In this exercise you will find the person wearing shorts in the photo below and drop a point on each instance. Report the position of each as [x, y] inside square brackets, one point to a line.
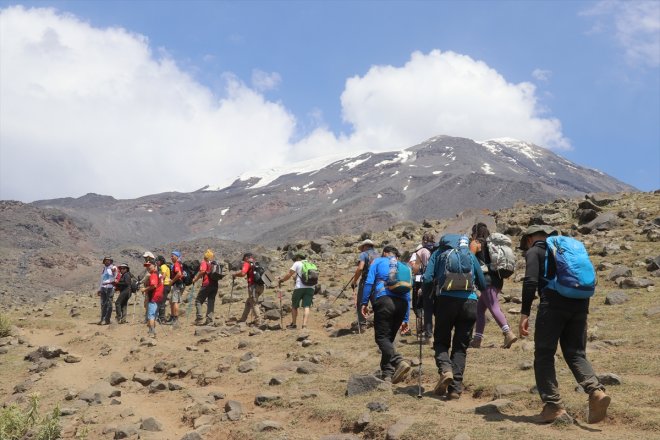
[154, 293]
[301, 292]
[177, 287]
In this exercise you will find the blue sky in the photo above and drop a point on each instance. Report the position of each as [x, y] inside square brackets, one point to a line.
[216, 89]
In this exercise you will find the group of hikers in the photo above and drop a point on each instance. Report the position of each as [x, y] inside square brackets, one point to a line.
[448, 284]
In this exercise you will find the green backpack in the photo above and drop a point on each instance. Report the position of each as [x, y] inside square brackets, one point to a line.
[310, 273]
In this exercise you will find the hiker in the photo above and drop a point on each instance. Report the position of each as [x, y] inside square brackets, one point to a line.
[107, 290]
[302, 293]
[367, 255]
[488, 298]
[208, 291]
[391, 312]
[559, 319]
[153, 292]
[144, 278]
[423, 304]
[453, 270]
[254, 290]
[178, 287]
[164, 271]
[123, 286]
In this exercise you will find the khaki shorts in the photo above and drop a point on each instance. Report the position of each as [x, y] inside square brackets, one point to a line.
[176, 293]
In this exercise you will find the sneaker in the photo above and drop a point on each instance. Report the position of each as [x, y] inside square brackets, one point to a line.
[476, 343]
[598, 403]
[509, 339]
[445, 379]
[551, 412]
[291, 326]
[401, 372]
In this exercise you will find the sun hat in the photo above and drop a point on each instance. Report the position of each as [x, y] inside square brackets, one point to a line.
[148, 255]
[366, 242]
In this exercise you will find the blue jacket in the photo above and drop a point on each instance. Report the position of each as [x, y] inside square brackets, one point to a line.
[435, 270]
[379, 271]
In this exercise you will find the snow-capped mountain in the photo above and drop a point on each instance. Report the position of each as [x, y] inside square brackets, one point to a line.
[437, 178]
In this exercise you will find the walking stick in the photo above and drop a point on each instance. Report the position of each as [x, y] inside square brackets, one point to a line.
[357, 302]
[420, 328]
[281, 318]
[231, 296]
[191, 296]
[340, 292]
[134, 295]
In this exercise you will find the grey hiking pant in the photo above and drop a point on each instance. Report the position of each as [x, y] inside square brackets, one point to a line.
[106, 303]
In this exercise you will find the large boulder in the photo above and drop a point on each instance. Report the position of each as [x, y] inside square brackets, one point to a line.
[604, 222]
[618, 272]
[99, 390]
[616, 298]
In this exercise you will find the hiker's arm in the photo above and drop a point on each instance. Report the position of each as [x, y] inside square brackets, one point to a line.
[287, 276]
[478, 274]
[358, 273]
[428, 275]
[369, 284]
[533, 264]
[200, 273]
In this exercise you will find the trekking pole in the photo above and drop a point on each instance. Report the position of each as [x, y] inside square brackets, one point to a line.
[231, 297]
[281, 318]
[340, 292]
[420, 328]
[134, 295]
[191, 296]
[357, 303]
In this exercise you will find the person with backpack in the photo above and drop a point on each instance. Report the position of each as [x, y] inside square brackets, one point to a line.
[479, 246]
[255, 288]
[208, 291]
[123, 286]
[177, 288]
[154, 294]
[107, 289]
[453, 273]
[391, 309]
[422, 304]
[148, 257]
[367, 255]
[165, 276]
[561, 317]
[303, 293]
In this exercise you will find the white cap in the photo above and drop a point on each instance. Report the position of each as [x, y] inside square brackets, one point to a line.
[148, 255]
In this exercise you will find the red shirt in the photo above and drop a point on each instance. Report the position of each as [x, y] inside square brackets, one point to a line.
[156, 295]
[205, 268]
[175, 270]
[247, 269]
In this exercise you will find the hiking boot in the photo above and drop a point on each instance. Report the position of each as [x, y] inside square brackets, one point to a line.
[445, 379]
[291, 326]
[401, 372]
[453, 395]
[509, 339]
[476, 343]
[199, 321]
[551, 412]
[208, 321]
[598, 403]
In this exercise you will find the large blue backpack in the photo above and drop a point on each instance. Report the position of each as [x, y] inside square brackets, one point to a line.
[574, 276]
[455, 252]
[401, 281]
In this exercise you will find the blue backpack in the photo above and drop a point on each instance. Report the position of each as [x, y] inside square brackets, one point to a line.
[574, 276]
[401, 281]
[458, 262]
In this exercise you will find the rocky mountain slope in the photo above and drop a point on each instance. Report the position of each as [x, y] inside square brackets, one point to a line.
[233, 381]
[435, 179]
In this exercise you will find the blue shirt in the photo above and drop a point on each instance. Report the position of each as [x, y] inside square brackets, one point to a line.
[436, 271]
[379, 271]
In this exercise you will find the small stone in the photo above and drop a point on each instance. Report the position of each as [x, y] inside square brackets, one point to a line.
[151, 424]
[616, 298]
[174, 386]
[609, 379]
[116, 378]
[563, 420]
[143, 378]
[505, 390]
[157, 386]
[275, 381]
[203, 420]
[360, 384]
[72, 359]
[494, 407]
[217, 395]
[396, 431]
[363, 421]
[234, 410]
[526, 365]
[125, 431]
[242, 344]
[268, 425]
[192, 436]
[264, 398]
[377, 406]
[126, 412]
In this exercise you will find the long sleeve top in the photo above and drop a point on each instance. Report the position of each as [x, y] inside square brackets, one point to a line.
[435, 270]
[375, 284]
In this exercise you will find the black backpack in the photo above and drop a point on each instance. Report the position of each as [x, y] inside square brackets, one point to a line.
[135, 283]
[190, 269]
[216, 273]
[258, 271]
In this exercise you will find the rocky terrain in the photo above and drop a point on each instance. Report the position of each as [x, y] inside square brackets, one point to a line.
[234, 381]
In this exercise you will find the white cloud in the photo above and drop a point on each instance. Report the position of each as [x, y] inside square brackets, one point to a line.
[264, 81]
[541, 74]
[84, 109]
[635, 26]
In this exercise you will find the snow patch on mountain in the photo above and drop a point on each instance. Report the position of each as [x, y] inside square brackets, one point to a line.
[402, 157]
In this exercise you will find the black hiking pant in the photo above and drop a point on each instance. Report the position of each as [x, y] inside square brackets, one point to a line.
[121, 305]
[163, 302]
[206, 294]
[569, 329]
[388, 316]
[458, 315]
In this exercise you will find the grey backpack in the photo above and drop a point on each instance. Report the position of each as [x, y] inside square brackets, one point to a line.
[502, 258]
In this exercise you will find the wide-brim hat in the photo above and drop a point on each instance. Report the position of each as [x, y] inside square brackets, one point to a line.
[366, 242]
[535, 229]
[123, 265]
[107, 258]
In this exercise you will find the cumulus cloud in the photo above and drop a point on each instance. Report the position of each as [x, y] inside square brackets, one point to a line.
[264, 81]
[635, 26]
[86, 109]
[541, 74]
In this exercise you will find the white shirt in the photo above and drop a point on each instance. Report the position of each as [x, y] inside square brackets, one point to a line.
[297, 268]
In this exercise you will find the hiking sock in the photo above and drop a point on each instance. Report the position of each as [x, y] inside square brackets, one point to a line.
[478, 336]
[505, 328]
